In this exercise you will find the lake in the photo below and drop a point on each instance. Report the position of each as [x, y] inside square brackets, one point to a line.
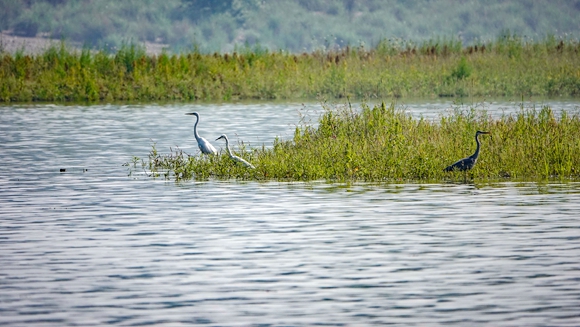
[94, 245]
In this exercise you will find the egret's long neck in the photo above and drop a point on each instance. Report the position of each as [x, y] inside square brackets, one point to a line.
[228, 147]
[476, 154]
[195, 128]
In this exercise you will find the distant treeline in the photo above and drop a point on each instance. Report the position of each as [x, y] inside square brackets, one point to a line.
[507, 66]
[295, 26]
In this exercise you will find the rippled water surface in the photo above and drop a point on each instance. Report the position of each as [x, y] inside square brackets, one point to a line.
[92, 246]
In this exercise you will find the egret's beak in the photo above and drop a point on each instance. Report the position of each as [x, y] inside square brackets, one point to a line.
[190, 113]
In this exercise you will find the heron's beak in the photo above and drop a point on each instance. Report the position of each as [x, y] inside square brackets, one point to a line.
[189, 113]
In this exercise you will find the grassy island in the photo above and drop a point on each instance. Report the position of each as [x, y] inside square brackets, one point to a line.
[383, 143]
[509, 66]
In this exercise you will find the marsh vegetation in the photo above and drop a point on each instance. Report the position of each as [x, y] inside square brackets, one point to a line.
[509, 66]
[383, 143]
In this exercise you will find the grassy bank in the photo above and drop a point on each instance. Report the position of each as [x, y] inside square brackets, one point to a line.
[506, 67]
[385, 144]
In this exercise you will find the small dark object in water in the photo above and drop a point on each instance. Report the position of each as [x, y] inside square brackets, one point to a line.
[62, 170]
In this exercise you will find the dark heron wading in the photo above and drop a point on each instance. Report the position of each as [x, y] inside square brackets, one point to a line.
[466, 164]
[204, 145]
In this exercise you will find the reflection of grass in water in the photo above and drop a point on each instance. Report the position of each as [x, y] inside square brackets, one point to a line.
[385, 144]
[508, 66]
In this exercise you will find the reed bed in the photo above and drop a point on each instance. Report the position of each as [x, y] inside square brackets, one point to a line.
[383, 143]
[393, 68]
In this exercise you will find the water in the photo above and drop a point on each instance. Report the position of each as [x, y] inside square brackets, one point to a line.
[93, 246]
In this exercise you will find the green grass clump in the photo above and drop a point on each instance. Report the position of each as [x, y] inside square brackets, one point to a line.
[510, 66]
[386, 144]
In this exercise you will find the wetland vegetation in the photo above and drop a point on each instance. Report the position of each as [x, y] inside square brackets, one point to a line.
[508, 66]
[383, 143]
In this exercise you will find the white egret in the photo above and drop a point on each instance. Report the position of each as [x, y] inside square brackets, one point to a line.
[234, 157]
[204, 145]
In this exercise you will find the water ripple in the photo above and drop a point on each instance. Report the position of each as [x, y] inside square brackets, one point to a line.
[92, 246]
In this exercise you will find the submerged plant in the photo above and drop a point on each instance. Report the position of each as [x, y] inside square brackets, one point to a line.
[383, 143]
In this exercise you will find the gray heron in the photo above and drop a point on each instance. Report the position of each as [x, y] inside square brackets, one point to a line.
[234, 157]
[204, 145]
[466, 164]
